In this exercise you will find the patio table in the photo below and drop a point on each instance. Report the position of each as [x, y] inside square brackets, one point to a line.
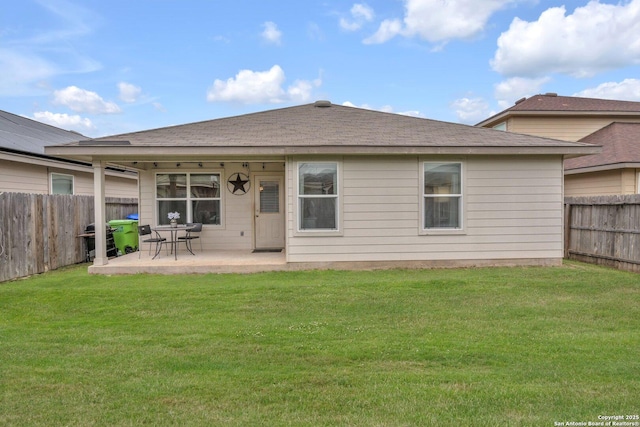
[173, 241]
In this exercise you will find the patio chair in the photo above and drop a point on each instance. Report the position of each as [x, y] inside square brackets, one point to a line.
[145, 230]
[193, 232]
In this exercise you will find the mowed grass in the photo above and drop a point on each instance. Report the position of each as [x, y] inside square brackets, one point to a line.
[485, 347]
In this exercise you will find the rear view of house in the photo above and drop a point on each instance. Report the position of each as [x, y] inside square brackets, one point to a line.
[341, 186]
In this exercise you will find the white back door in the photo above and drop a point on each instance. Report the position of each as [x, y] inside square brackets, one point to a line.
[269, 211]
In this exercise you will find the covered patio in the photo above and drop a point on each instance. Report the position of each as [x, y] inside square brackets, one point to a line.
[331, 186]
[237, 261]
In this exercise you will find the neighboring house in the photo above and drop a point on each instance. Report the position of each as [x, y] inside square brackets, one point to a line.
[614, 125]
[335, 184]
[24, 167]
[614, 171]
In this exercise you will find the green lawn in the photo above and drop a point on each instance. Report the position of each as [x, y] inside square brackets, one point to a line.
[486, 347]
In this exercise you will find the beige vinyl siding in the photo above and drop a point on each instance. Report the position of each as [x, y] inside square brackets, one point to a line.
[512, 210]
[82, 181]
[594, 183]
[18, 177]
[563, 128]
[629, 183]
[23, 177]
[116, 186]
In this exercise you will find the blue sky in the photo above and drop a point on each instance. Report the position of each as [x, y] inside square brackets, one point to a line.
[109, 67]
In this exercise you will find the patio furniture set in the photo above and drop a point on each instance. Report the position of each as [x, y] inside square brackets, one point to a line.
[154, 235]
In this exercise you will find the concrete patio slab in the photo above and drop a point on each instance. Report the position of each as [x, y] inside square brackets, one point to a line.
[200, 263]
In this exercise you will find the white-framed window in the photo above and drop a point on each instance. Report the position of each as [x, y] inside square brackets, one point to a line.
[61, 183]
[318, 196]
[442, 196]
[197, 197]
[501, 126]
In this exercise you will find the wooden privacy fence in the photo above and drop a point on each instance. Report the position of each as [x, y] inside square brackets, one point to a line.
[39, 232]
[604, 230]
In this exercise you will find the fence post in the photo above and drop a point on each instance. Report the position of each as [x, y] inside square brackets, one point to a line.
[567, 227]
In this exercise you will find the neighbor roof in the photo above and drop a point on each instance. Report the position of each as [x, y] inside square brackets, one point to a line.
[568, 105]
[320, 128]
[620, 145]
[18, 133]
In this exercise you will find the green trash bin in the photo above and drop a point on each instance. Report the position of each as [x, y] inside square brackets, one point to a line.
[125, 234]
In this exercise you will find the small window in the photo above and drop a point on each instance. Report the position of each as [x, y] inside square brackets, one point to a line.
[318, 196]
[501, 126]
[442, 196]
[269, 197]
[196, 197]
[61, 183]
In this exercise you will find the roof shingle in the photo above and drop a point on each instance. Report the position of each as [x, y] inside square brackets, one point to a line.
[620, 144]
[339, 126]
[552, 102]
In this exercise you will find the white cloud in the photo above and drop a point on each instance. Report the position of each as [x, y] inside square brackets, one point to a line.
[514, 88]
[389, 28]
[471, 110]
[64, 121]
[84, 101]
[385, 109]
[360, 14]
[300, 90]
[258, 87]
[594, 38]
[439, 21]
[129, 93]
[271, 33]
[626, 90]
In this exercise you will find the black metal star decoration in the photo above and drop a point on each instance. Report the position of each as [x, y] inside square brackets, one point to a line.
[239, 184]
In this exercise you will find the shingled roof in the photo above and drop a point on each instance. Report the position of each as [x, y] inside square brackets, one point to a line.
[567, 105]
[19, 133]
[620, 144]
[320, 127]
[552, 102]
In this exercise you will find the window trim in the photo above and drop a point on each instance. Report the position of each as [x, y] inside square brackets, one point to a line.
[462, 211]
[73, 182]
[189, 199]
[338, 196]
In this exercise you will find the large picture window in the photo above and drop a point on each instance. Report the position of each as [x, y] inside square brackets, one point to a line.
[195, 196]
[442, 195]
[318, 196]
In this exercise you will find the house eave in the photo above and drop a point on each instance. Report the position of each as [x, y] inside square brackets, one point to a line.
[150, 153]
[602, 168]
[60, 163]
[505, 115]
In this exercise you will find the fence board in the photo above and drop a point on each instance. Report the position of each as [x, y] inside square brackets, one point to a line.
[38, 232]
[604, 230]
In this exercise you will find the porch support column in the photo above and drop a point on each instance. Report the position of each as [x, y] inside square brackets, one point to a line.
[100, 213]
